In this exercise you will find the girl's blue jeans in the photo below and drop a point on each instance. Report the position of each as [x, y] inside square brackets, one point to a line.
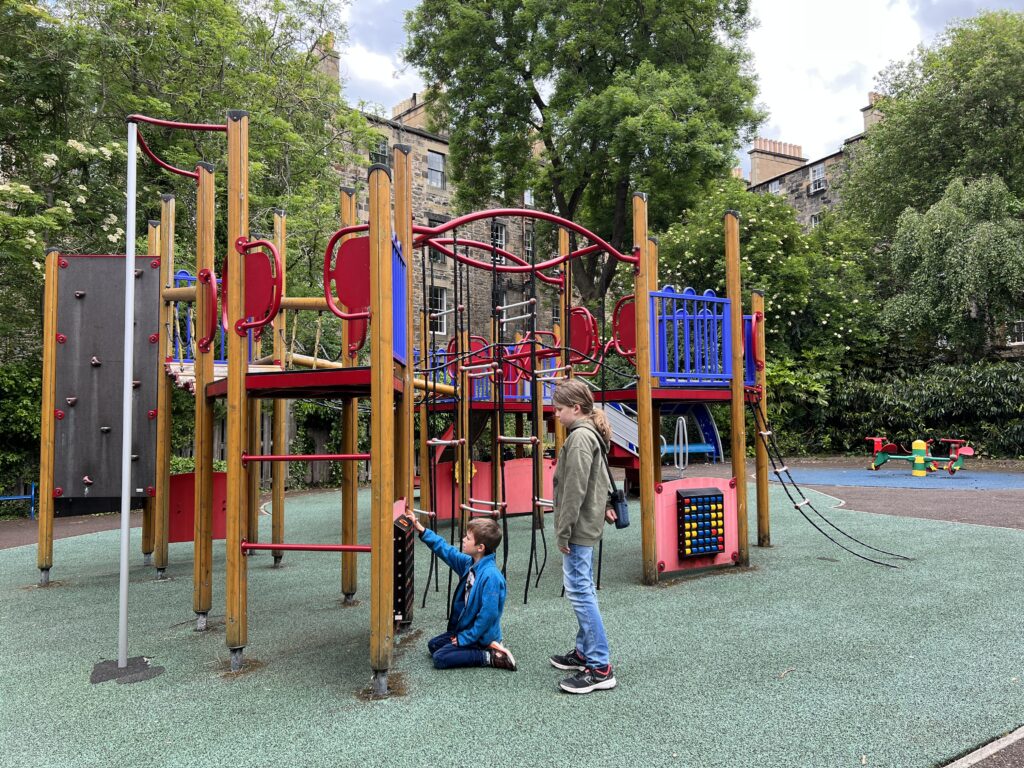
[578, 579]
[448, 656]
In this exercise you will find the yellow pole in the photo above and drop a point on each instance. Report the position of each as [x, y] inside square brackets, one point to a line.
[738, 424]
[349, 439]
[149, 505]
[643, 389]
[44, 554]
[764, 531]
[279, 430]
[202, 499]
[404, 420]
[163, 393]
[238, 365]
[382, 427]
[652, 284]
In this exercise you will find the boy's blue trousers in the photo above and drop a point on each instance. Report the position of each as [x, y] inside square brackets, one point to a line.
[448, 656]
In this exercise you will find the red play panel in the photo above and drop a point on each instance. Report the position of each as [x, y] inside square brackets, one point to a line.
[518, 485]
[181, 503]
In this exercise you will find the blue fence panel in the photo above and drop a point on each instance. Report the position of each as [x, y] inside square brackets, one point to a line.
[184, 325]
[691, 344]
[399, 294]
[749, 369]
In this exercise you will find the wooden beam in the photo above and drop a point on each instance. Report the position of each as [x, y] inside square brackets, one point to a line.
[643, 395]
[202, 530]
[47, 420]
[764, 529]
[161, 501]
[279, 429]
[738, 422]
[382, 429]
[187, 294]
[349, 436]
[237, 628]
[149, 505]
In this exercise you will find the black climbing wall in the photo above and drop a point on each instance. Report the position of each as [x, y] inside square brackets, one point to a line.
[89, 381]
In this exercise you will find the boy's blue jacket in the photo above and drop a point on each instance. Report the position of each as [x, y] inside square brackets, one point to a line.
[479, 621]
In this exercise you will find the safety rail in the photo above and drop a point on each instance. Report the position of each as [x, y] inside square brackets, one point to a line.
[518, 387]
[690, 341]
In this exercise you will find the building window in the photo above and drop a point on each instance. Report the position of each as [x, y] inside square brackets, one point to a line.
[498, 239]
[556, 311]
[528, 198]
[379, 151]
[435, 169]
[438, 302]
[432, 253]
[1015, 337]
[528, 243]
[774, 187]
[815, 220]
[818, 182]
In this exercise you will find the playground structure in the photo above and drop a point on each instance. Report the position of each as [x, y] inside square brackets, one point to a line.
[685, 351]
[922, 462]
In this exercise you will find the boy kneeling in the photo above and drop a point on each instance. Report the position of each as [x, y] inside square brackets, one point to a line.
[473, 638]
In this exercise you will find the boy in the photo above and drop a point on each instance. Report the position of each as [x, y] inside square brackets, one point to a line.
[473, 638]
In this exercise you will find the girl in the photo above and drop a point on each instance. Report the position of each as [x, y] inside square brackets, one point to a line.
[581, 507]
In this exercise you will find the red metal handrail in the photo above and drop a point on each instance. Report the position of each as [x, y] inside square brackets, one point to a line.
[248, 547]
[207, 278]
[254, 457]
[179, 126]
[163, 164]
[328, 258]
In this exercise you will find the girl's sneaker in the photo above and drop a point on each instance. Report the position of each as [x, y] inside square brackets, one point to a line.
[572, 661]
[589, 680]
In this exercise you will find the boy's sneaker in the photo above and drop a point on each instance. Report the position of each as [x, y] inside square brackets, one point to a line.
[501, 657]
[571, 660]
[589, 680]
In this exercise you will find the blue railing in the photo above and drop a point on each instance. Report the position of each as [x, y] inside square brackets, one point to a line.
[30, 497]
[482, 388]
[399, 291]
[691, 340]
[183, 328]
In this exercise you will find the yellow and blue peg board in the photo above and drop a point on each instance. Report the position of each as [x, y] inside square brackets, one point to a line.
[695, 524]
[700, 522]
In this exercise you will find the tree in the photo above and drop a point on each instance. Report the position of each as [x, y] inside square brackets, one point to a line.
[951, 111]
[960, 265]
[585, 102]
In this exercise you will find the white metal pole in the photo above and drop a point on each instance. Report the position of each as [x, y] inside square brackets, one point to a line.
[126, 399]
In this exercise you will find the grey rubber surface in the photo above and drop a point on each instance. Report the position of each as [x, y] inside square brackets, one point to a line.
[809, 658]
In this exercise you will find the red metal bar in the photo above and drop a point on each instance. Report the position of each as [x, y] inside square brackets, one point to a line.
[247, 547]
[247, 457]
[207, 278]
[166, 166]
[177, 125]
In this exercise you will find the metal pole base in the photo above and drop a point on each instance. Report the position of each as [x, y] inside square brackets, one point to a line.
[201, 622]
[350, 600]
[44, 577]
[147, 558]
[379, 684]
[161, 574]
[277, 561]
[237, 659]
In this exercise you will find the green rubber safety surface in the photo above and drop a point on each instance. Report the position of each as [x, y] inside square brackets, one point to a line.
[809, 658]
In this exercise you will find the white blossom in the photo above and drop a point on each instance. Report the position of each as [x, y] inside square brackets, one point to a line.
[49, 161]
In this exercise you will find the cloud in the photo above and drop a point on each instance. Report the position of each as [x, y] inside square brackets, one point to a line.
[817, 61]
[376, 77]
[935, 15]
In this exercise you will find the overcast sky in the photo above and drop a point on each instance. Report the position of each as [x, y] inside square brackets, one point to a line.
[816, 60]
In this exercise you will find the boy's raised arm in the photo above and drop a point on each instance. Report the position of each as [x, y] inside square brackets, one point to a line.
[456, 560]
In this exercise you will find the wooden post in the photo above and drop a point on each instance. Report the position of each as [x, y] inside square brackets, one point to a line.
[738, 424]
[349, 437]
[564, 305]
[161, 501]
[404, 427]
[237, 629]
[643, 389]
[47, 420]
[652, 284]
[202, 544]
[764, 532]
[382, 429]
[149, 505]
[279, 430]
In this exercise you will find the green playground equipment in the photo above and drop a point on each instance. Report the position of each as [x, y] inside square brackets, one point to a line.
[922, 462]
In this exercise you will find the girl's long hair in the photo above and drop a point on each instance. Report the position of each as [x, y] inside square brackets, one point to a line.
[575, 392]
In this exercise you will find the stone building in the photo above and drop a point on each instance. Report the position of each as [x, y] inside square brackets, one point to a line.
[780, 168]
[432, 195]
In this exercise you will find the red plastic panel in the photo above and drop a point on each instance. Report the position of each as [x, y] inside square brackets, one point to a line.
[181, 504]
[351, 274]
[259, 286]
[624, 327]
[667, 526]
[518, 485]
[582, 340]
